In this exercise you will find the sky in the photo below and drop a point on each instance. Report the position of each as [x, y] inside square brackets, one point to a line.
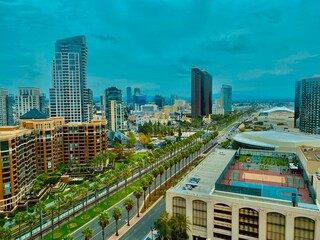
[258, 47]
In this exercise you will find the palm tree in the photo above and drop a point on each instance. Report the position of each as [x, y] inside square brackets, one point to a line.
[118, 175]
[162, 224]
[52, 211]
[116, 214]
[82, 191]
[128, 203]
[149, 178]
[31, 220]
[86, 186]
[144, 184]
[137, 192]
[161, 170]
[155, 173]
[166, 166]
[126, 174]
[96, 189]
[140, 164]
[103, 219]
[59, 201]
[19, 218]
[40, 207]
[180, 225]
[108, 182]
[73, 194]
[87, 233]
[69, 201]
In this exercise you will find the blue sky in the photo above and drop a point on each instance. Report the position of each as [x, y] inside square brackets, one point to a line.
[258, 47]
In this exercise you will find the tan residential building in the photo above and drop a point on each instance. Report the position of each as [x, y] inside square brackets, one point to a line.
[227, 199]
[18, 165]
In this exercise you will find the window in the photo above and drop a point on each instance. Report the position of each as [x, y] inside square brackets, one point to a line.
[276, 226]
[178, 205]
[199, 213]
[303, 228]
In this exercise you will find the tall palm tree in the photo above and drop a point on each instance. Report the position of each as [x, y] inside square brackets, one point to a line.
[82, 191]
[155, 173]
[108, 182]
[103, 220]
[116, 214]
[137, 192]
[144, 185]
[166, 166]
[59, 201]
[140, 164]
[180, 225]
[149, 178]
[118, 175]
[40, 207]
[19, 218]
[52, 211]
[128, 204]
[126, 174]
[31, 220]
[69, 201]
[96, 188]
[162, 225]
[87, 233]
[86, 186]
[161, 170]
[73, 194]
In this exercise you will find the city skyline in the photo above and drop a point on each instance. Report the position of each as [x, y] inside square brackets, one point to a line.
[257, 47]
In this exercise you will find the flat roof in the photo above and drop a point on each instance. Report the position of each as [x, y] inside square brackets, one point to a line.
[209, 171]
[311, 153]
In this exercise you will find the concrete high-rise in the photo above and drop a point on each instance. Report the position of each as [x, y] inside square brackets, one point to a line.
[201, 93]
[114, 108]
[226, 98]
[69, 93]
[3, 107]
[307, 105]
[28, 99]
[159, 101]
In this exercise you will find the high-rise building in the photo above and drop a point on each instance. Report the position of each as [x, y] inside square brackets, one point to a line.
[114, 108]
[172, 99]
[69, 93]
[136, 91]
[129, 95]
[26, 100]
[201, 93]
[307, 105]
[159, 101]
[3, 107]
[226, 98]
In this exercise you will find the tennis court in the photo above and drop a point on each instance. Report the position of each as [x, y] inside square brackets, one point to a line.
[276, 192]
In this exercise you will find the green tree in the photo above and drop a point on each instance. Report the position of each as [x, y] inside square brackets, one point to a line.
[137, 192]
[126, 174]
[155, 173]
[128, 204]
[67, 238]
[118, 175]
[69, 201]
[59, 201]
[52, 211]
[40, 207]
[116, 214]
[131, 141]
[162, 225]
[103, 219]
[82, 191]
[87, 233]
[19, 219]
[107, 182]
[5, 233]
[144, 140]
[96, 188]
[31, 220]
[180, 225]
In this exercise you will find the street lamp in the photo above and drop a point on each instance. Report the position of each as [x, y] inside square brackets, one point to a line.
[151, 228]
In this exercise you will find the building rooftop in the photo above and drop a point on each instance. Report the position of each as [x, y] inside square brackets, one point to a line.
[256, 177]
[209, 171]
[311, 153]
[34, 114]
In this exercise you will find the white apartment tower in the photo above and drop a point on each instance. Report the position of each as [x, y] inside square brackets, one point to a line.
[27, 99]
[69, 93]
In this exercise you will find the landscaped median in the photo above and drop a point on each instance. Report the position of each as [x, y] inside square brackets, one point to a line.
[91, 213]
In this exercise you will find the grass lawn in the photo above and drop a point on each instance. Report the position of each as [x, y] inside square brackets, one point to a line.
[267, 160]
[91, 213]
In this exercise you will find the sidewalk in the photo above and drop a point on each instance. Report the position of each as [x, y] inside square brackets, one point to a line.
[133, 221]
